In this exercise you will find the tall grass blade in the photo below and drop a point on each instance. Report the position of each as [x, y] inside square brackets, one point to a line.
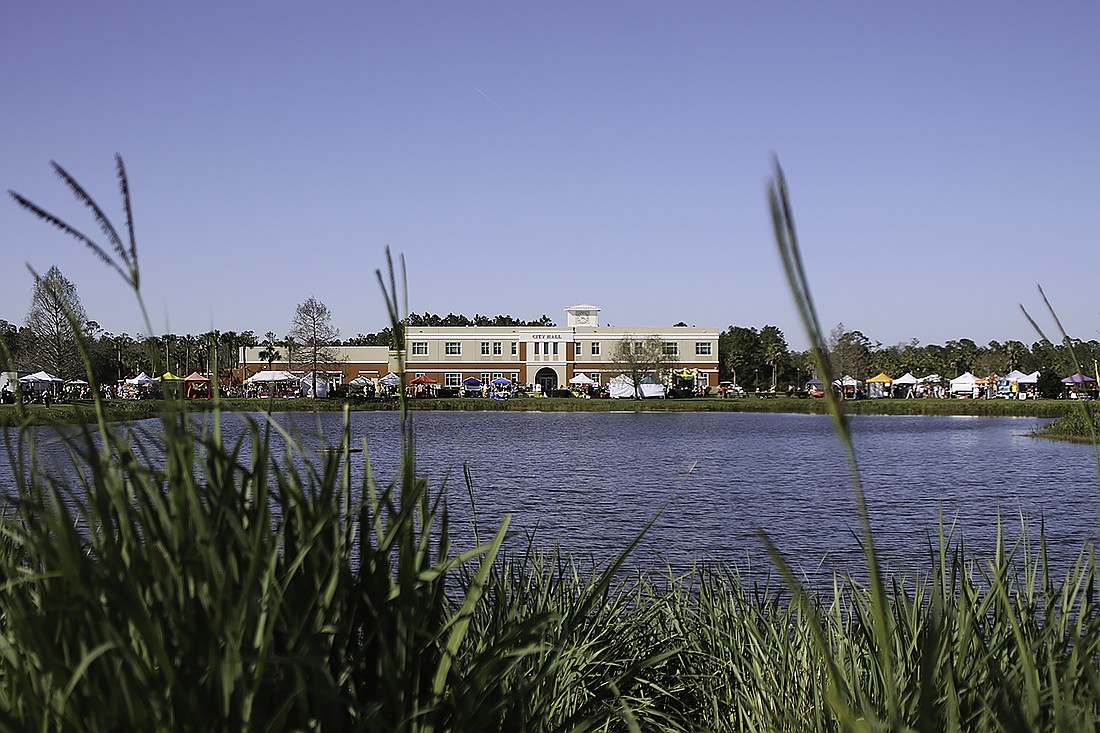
[791, 256]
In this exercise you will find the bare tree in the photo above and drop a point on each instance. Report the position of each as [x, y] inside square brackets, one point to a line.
[53, 342]
[313, 332]
[849, 351]
[643, 356]
[123, 345]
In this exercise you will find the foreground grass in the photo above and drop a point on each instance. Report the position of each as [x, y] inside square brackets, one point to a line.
[221, 588]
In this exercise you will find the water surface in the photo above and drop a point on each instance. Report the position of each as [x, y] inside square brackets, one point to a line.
[591, 481]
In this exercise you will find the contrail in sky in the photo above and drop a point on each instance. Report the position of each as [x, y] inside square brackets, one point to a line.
[491, 100]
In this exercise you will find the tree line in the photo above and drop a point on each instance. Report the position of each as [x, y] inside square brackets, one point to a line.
[760, 358]
[45, 339]
[45, 342]
[752, 357]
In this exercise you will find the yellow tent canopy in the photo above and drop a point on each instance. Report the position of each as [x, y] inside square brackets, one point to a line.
[170, 377]
[881, 377]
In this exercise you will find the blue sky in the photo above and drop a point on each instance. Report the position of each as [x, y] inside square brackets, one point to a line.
[943, 159]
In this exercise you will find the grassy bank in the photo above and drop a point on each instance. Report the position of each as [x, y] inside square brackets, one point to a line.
[140, 409]
[1078, 426]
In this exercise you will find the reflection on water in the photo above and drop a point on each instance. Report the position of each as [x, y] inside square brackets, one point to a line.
[591, 481]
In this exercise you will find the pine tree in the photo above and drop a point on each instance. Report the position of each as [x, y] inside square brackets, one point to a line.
[52, 343]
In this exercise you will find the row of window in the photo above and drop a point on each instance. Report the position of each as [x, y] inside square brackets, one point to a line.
[454, 379]
[496, 348]
[668, 348]
[454, 348]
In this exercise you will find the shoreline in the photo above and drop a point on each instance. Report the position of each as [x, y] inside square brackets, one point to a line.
[123, 410]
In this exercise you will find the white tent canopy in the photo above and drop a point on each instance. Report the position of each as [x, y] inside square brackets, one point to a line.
[963, 383]
[307, 385]
[271, 376]
[1019, 377]
[905, 379]
[142, 380]
[391, 379]
[623, 386]
[929, 379]
[582, 378]
[360, 381]
[847, 381]
[41, 377]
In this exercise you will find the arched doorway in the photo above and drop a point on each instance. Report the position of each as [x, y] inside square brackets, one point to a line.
[546, 378]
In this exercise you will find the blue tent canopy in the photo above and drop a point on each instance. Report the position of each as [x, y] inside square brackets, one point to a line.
[472, 382]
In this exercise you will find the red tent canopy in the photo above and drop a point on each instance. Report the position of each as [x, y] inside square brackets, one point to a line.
[197, 385]
[423, 379]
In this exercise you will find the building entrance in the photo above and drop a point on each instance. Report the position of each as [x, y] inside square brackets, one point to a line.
[546, 378]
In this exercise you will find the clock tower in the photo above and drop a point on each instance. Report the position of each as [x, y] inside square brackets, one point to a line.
[583, 315]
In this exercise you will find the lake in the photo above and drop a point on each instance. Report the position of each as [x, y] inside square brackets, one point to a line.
[591, 481]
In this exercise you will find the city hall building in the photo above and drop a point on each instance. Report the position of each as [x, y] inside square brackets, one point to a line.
[549, 356]
[544, 356]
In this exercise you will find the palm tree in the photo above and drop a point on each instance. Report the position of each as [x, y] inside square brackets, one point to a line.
[122, 343]
[775, 350]
[228, 340]
[208, 343]
[188, 343]
[1014, 352]
[270, 353]
[168, 339]
[246, 340]
[291, 348]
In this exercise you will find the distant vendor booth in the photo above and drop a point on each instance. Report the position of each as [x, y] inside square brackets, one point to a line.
[878, 386]
[273, 383]
[196, 386]
[622, 386]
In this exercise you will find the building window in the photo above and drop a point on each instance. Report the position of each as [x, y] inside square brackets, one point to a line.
[485, 378]
[577, 350]
[498, 348]
[453, 348]
[538, 345]
[702, 348]
[484, 348]
[555, 345]
[670, 348]
[452, 379]
[420, 348]
[595, 348]
[638, 346]
[515, 348]
[515, 377]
